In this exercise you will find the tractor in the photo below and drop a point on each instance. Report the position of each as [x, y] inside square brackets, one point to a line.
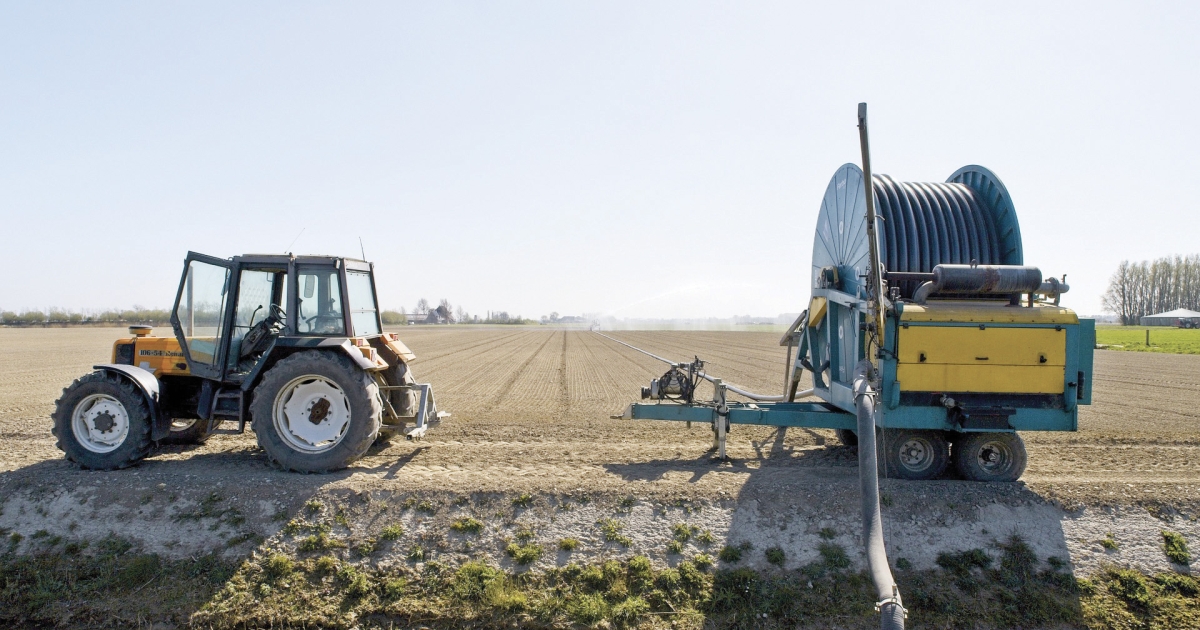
[292, 345]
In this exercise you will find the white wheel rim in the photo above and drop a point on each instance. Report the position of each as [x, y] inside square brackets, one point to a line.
[100, 423]
[311, 413]
[916, 454]
[182, 424]
[994, 456]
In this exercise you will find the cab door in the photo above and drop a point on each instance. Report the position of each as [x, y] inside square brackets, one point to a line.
[202, 311]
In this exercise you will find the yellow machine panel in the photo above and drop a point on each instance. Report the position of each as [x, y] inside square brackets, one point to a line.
[960, 345]
[161, 355]
[1028, 358]
[987, 312]
[992, 379]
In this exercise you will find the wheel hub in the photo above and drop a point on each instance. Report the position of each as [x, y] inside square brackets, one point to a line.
[100, 423]
[312, 413]
[915, 454]
[992, 456]
[105, 422]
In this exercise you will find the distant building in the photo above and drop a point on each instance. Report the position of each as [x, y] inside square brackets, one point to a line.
[1169, 318]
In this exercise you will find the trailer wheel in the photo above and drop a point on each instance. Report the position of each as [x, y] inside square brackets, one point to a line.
[187, 431]
[102, 422]
[912, 454]
[990, 456]
[315, 412]
[847, 437]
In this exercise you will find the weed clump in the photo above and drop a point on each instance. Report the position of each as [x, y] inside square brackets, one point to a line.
[1175, 547]
[523, 500]
[391, 532]
[1109, 542]
[611, 528]
[833, 556]
[568, 544]
[524, 554]
[776, 556]
[467, 525]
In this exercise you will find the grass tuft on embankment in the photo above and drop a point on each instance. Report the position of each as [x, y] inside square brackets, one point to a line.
[109, 584]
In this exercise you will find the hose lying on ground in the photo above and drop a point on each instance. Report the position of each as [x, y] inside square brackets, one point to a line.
[891, 610]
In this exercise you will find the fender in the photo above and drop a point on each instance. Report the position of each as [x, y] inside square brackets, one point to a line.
[144, 380]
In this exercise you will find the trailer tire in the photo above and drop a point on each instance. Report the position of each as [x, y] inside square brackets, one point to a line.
[341, 402]
[912, 454]
[847, 437]
[990, 456]
[187, 431]
[97, 404]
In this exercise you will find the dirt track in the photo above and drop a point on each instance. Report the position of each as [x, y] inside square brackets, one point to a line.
[531, 413]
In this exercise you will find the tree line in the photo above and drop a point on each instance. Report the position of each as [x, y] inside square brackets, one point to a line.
[446, 313]
[1144, 288]
[62, 317]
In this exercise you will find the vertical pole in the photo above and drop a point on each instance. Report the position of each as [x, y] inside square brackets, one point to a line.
[874, 277]
[722, 415]
[1147, 337]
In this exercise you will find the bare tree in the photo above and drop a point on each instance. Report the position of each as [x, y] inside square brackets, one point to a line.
[1148, 287]
[422, 307]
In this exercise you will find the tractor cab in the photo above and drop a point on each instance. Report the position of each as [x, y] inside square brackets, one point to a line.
[230, 312]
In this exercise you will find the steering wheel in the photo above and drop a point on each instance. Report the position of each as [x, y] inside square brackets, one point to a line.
[259, 334]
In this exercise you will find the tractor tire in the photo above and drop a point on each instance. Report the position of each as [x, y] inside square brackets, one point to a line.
[912, 454]
[187, 431]
[102, 422]
[315, 412]
[990, 456]
[847, 437]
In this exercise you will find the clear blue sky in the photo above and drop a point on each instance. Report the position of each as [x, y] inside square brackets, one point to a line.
[644, 159]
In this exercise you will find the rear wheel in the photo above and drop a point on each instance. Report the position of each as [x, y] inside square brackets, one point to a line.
[102, 422]
[990, 456]
[315, 412]
[187, 431]
[912, 454]
[847, 437]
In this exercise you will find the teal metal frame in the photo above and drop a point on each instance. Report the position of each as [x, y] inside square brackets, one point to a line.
[836, 353]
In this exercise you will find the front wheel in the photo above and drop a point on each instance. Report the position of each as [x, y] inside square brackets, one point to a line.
[990, 456]
[912, 454]
[315, 412]
[102, 422]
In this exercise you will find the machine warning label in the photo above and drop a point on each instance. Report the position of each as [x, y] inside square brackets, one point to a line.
[159, 353]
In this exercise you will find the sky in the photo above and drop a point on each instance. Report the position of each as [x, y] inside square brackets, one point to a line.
[633, 159]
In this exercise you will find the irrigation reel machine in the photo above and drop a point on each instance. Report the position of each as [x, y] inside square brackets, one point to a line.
[963, 344]
[928, 340]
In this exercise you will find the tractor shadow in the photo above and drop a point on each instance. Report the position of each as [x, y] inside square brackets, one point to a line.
[769, 453]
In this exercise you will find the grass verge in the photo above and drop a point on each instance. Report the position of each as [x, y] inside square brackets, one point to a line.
[109, 584]
[1162, 339]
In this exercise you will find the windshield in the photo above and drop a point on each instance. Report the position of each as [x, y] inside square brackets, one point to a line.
[362, 303]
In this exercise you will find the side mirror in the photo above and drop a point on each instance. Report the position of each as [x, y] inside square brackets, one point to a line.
[310, 286]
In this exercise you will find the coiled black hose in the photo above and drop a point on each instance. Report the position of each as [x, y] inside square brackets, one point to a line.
[927, 224]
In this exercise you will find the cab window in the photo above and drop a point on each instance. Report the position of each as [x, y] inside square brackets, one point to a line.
[319, 304]
[362, 303]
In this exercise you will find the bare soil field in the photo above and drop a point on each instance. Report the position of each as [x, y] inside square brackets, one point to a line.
[532, 414]
[532, 411]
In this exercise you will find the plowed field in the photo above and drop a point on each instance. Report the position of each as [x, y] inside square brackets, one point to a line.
[531, 411]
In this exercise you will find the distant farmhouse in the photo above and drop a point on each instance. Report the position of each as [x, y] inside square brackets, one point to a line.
[439, 315]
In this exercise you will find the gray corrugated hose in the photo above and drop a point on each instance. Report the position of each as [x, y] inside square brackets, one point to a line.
[891, 609]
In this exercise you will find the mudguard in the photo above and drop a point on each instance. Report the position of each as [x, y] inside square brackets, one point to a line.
[145, 381]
